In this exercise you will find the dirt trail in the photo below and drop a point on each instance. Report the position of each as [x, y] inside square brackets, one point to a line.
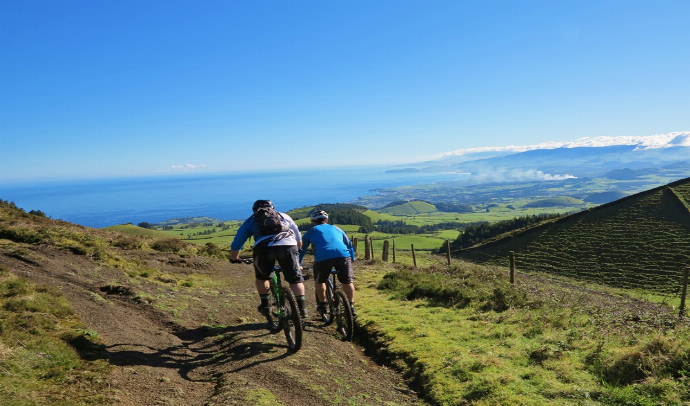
[204, 346]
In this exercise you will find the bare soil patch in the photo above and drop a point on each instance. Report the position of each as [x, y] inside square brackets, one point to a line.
[203, 344]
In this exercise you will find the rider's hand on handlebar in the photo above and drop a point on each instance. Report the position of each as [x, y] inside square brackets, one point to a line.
[242, 261]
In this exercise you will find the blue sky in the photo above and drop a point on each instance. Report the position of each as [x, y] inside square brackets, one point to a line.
[126, 88]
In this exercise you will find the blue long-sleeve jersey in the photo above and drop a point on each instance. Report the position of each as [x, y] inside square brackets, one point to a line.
[327, 241]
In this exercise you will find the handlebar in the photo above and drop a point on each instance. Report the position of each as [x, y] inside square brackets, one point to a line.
[242, 261]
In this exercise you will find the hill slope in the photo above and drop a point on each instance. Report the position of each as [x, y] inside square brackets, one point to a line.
[173, 327]
[409, 208]
[638, 241]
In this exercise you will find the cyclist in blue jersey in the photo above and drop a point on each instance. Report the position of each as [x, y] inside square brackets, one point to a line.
[332, 249]
[269, 246]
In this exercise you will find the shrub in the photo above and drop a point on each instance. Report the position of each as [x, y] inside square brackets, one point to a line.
[14, 287]
[127, 242]
[661, 357]
[20, 235]
[169, 245]
[212, 250]
[77, 249]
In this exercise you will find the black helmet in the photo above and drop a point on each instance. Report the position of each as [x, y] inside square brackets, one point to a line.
[261, 203]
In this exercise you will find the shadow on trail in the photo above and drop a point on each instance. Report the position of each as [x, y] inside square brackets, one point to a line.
[203, 352]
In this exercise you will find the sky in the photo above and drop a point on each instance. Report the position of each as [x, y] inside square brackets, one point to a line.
[103, 88]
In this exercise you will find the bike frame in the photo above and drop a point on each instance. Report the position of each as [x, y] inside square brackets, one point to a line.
[276, 284]
[339, 307]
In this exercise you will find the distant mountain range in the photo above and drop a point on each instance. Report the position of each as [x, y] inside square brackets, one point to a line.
[559, 163]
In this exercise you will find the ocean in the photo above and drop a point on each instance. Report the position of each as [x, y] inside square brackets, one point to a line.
[229, 196]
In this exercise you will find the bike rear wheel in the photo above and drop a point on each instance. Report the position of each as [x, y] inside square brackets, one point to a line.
[344, 320]
[290, 319]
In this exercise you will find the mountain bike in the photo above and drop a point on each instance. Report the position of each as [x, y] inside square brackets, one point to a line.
[338, 308]
[283, 312]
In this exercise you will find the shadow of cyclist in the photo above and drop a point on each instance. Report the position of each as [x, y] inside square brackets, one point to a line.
[202, 352]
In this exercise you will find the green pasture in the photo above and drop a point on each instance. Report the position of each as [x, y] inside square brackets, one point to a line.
[496, 213]
[131, 229]
[561, 201]
[348, 228]
[196, 233]
[376, 216]
[301, 213]
[535, 343]
[402, 242]
[302, 221]
[410, 208]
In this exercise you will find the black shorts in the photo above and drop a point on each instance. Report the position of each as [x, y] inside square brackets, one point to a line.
[322, 270]
[288, 258]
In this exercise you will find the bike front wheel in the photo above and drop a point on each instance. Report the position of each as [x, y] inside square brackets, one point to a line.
[290, 319]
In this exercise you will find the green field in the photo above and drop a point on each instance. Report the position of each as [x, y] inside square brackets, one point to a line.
[468, 337]
[402, 242]
[409, 208]
[637, 242]
[194, 231]
[460, 334]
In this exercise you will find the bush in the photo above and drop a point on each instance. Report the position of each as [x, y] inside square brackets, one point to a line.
[127, 242]
[20, 235]
[78, 250]
[659, 358]
[169, 245]
[212, 250]
[458, 287]
[14, 287]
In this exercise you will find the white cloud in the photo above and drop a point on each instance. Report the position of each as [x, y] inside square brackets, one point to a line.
[674, 139]
[498, 174]
[186, 167]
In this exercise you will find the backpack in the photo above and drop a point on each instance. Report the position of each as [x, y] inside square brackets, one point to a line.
[269, 221]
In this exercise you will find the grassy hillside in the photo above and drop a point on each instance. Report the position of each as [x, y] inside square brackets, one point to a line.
[40, 340]
[561, 201]
[131, 229]
[467, 337]
[376, 216]
[459, 334]
[638, 241]
[410, 208]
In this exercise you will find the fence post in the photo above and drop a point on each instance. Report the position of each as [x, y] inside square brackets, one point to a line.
[448, 253]
[685, 291]
[384, 254]
[354, 245]
[367, 253]
[414, 258]
[393, 250]
[512, 267]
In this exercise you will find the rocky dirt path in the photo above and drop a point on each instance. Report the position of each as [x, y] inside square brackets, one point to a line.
[206, 344]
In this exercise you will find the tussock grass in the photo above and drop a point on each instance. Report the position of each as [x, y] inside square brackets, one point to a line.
[40, 342]
[464, 335]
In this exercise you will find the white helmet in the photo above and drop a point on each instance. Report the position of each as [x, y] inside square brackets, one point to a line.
[318, 215]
